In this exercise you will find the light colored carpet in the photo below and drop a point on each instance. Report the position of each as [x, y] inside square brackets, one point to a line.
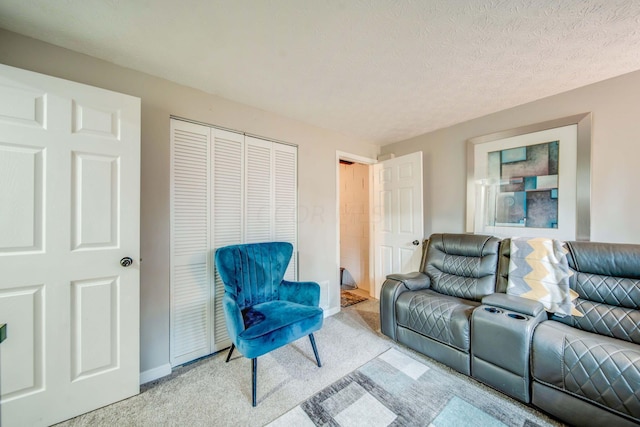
[211, 392]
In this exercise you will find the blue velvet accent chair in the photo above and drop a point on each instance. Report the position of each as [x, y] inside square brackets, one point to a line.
[264, 312]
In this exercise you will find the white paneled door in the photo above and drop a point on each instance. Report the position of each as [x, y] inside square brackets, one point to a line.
[69, 221]
[397, 216]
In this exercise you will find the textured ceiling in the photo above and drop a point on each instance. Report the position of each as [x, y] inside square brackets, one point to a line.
[380, 70]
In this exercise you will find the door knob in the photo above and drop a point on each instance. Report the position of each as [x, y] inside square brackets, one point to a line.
[416, 242]
[126, 261]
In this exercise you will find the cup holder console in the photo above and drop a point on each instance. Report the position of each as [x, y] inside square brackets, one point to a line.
[516, 316]
[495, 310]
[508, 328]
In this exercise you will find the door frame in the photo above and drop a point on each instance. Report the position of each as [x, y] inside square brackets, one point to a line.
[341, 155]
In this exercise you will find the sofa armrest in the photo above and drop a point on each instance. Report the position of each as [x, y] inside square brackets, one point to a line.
[514, 303]
[391, 290]
[305, 293]
[413, 281]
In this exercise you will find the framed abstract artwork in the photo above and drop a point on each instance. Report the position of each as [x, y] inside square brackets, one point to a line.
[532, 181]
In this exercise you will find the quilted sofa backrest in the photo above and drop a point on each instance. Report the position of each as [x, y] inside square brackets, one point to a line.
[462, 265]
[606, 277]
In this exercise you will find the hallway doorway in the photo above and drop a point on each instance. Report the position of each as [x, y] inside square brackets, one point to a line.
[356, 269]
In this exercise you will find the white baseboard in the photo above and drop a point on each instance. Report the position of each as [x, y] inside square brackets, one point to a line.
[331, 312]
[155, 373]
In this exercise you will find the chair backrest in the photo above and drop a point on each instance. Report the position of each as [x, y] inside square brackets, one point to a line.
[252, 273]
[606, 277]
[462, 265]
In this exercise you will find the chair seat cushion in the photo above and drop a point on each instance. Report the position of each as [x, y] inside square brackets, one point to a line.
[440, 317]
[601, 369]
[272, 324]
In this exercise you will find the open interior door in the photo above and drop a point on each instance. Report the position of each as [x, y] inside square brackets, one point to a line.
[397, 216]
[69, 247]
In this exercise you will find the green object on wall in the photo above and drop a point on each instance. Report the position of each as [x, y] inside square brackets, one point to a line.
[3, 332]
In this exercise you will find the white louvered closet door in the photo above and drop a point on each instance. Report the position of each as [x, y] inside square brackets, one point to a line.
[228, 203]
[225, 189]
[259, 191]
[271, 204]
[285, 176]
[190, 242]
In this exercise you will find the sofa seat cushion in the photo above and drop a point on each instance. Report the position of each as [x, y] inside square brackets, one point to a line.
[270, 325]
[440, 317]
[601, 369]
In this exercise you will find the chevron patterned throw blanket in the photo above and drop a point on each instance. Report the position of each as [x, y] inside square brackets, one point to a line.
[539, 270]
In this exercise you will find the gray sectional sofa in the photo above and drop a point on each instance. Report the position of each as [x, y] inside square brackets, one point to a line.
[582, 370]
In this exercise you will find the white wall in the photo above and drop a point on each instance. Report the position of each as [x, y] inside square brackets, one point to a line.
[615, 172]
[160, 99]
[354, 222]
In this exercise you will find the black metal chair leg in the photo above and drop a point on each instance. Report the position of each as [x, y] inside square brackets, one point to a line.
[254, 372]
[315, 350]
[230, 352]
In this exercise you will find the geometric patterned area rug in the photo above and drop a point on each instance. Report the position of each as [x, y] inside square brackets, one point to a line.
[348, 298]
[396, 390]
